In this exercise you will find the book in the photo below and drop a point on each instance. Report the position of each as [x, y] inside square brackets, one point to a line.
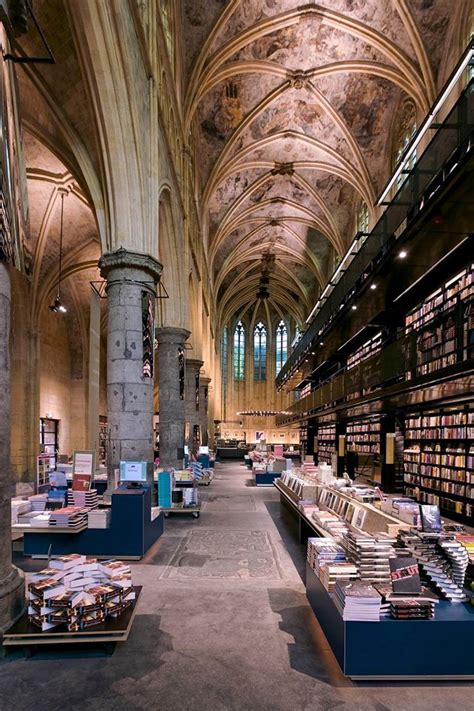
[430, 518]
[405, 575]
[81, 482]
[45, 589]
[64, 562]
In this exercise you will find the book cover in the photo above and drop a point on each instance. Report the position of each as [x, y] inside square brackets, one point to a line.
[81, 482]
[404, 575]
[430, 518]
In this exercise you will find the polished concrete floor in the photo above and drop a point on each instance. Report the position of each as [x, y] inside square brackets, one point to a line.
[223, 624]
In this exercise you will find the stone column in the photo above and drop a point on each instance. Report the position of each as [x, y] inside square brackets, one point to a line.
[204, 408]
[171, 370]
[12, 598]
[131, 279]
[192, 396]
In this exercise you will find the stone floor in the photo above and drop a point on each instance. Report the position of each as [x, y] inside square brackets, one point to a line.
[223, 624]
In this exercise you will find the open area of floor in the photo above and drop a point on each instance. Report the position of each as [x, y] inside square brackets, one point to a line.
[223, 624]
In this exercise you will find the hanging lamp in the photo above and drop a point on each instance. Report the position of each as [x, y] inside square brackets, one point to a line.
[57, 306]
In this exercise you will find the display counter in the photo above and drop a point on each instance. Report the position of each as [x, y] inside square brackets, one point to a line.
[130, 534]
[441, 648]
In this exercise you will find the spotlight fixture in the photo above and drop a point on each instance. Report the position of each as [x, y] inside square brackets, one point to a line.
[354, 307]
[57, 306]
[373, 286]
[402, 254]
[321, 343]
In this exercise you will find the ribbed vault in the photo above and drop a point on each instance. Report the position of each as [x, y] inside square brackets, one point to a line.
[292, 105]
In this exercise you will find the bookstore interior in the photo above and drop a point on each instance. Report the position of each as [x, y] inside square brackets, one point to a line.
[237, 283]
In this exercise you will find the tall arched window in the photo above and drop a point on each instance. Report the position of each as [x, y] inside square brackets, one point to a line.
[260, 352]
[406, 128]
[224, 356]
[239, 352]
[281, 346]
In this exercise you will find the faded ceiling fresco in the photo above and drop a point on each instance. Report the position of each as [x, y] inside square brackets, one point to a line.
[294, 105]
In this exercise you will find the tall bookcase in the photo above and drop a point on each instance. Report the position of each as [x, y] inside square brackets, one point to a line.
[444, 324]
[364, 436]
[439, 459]
[327, 442]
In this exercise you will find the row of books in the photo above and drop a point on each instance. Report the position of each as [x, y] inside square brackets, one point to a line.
[75, 593]
[446, 420]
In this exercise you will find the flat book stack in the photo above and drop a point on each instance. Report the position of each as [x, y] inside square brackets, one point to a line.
[331, 573]
[323, 551]
[357, 601]
[98, 518]
[393, 602]
[371, 553]
[83, 499]
[76, 593]
[68, 517]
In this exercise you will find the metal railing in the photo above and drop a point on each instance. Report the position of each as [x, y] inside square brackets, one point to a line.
[450, 148]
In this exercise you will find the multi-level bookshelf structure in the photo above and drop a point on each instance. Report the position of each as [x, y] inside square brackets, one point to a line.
[444, 324]
[367, 350]
[326, 442]
[439, 459]
[363, 436]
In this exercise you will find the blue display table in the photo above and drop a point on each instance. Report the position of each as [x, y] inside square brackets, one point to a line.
[442, 648]
[266, 478]
[130, 534]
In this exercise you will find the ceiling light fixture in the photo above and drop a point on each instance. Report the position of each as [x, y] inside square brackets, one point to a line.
[57, 306]
[354, 307]
[402, 254]
[373, 286]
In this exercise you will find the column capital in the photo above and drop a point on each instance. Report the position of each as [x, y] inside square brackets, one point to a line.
[205, 379]
[170, 334]
[194, 363]
[125, 259]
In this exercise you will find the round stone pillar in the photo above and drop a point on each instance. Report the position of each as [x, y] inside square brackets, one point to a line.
[131, 291]
[204, 408]
[12, 596]
[171, 369]
[193, 405]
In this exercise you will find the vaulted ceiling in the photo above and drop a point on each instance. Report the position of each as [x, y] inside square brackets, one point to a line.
[292, 106]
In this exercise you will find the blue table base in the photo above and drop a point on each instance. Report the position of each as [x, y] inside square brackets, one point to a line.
[442, 648]
[266, 478]
[130, 534]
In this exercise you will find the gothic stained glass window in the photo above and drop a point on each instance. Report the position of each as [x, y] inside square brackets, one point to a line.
[260, 352]
[239, 352]
[224, 356]
[281, 346]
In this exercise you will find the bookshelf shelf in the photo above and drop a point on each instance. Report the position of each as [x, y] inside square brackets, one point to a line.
[438, 459]
[326, 442]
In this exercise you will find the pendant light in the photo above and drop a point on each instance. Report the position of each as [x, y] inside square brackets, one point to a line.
[57, 306]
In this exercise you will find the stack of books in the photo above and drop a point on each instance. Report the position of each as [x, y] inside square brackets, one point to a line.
[323, 551]
[357, 601]
[371, 553]
[392, 600]
[38, 502]
[84, 499]
[42, 520]
[68, 517]
[331, 523]
[98, 518]
[413, 609]
[332, 572]
[76, 593]
[434, 561]
[18, 506]
[28, 518]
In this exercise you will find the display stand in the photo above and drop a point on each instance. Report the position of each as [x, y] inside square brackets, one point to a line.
[130, 534]
[440, 649]
[265, 478]
[114, 629]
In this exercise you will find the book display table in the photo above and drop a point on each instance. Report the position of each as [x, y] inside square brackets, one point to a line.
[265, 478]
[305, 526]
[25, 634]
[439, 649]
[130, 534]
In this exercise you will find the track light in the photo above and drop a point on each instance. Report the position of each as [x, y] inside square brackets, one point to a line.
[57, 306]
